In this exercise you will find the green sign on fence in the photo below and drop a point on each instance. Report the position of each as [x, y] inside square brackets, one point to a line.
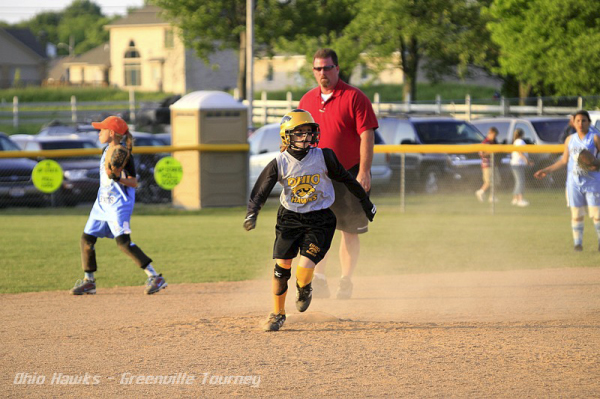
[168, 173]
[47, 176]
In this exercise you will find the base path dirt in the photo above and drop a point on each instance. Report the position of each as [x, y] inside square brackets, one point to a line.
[513, 334]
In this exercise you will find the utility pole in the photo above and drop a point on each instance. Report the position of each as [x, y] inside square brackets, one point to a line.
[70, 46]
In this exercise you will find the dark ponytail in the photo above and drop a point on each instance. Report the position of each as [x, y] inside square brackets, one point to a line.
[129, 141]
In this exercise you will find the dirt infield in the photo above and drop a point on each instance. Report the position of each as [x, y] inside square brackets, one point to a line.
[477, 334]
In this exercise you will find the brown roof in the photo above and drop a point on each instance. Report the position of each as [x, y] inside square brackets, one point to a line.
[57, 69]
[149, 15]
[96, 56]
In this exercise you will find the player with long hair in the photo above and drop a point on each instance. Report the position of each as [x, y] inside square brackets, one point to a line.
[111, 214]
[583, 186]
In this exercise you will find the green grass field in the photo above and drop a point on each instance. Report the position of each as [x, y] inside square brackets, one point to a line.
[39, 248]
[50, 94]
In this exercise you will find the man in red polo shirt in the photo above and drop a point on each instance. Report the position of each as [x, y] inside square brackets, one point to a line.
[347, 122]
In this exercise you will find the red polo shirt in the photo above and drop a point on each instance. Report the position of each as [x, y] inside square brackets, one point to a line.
[342, 119]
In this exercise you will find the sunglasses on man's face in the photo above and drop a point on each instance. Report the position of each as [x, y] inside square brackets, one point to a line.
[325, 68]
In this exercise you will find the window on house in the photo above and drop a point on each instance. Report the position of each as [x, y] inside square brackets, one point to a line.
[132, 66]
[132, 53]
[133, 75]
[169, 38]
[270, 73]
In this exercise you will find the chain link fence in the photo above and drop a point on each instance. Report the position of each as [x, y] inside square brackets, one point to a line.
[80, 178]
[432, 179]
[449, 179]
[436, 191]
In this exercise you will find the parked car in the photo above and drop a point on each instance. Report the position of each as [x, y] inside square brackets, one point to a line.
[429, 172]
[81, 174]
[165, 137]
[16, 186]
[153, 114]
[142, 139]
[148, 190]
[538, 130]
[57, 128]
[265, 143]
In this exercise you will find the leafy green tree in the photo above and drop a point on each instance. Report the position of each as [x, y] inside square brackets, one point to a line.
[433, 35]
[548, 44]
[208, 26]
[83, 20]
[315, 24]
[46, 22]
[519, 54]
[286, 25]
[87, 32]
[82, 7]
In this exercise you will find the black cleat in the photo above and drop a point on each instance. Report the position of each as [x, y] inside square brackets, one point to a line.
[579, 248]
[303, 297]
[274, 322]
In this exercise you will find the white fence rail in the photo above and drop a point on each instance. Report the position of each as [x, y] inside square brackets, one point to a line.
[269, 111]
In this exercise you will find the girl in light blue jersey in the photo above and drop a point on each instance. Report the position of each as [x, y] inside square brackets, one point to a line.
[583, 187]
[111, 214]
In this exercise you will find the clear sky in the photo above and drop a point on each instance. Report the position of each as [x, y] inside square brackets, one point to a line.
[13, 11]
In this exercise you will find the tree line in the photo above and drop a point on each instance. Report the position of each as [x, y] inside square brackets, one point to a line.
[538, 47]
[80, 24]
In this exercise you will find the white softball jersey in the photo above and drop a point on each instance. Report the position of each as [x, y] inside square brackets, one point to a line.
[576, 177]
[115, 201]
[306, 186]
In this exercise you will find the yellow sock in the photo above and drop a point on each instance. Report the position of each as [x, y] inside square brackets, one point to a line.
[279, 303]
[304, 275]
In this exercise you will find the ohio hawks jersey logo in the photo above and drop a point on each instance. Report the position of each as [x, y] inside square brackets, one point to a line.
[303, 188]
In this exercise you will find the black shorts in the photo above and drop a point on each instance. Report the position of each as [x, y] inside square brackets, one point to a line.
[350, 215]
[310, 233]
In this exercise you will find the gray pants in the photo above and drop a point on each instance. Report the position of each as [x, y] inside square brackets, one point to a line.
[519, 174]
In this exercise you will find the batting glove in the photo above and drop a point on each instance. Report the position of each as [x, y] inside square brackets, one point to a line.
[250, 222]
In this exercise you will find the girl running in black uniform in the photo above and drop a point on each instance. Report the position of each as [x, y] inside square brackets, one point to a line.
[304, 221]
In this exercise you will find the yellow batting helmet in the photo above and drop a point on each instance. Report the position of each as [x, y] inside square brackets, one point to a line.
[293, 120]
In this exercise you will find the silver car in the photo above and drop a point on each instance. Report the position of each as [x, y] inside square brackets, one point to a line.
[429, 173]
